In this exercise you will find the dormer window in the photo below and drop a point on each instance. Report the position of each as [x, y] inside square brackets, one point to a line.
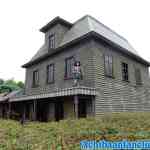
[51, 39]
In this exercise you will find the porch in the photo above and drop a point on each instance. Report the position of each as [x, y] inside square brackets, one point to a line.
[55, 109]
[63, 104]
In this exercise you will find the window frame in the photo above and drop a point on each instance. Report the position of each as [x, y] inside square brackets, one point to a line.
[35, 82]
[125, 71]
[51, 41]
[48, 73]
[138, 76]
[109, 63]
[66, 70]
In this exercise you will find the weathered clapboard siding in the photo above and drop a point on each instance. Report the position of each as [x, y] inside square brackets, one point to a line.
[116, 95]
[82, 52]
[59, 32]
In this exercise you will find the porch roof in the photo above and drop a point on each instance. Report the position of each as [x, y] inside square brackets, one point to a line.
[58, 93]
[6, 96]
[2, 97]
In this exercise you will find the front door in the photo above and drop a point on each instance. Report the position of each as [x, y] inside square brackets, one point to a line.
[82, 108]
[59, 110]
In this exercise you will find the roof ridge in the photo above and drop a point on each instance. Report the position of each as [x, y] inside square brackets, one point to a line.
[80, 19]
[90, 24]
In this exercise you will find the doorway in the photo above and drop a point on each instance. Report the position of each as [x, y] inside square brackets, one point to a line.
[59, 110]
[42, 110]
[82, 111]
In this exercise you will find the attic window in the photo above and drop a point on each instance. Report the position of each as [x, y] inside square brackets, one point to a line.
[51, 39]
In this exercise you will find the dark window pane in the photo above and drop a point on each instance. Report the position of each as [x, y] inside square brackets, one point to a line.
[125, 76]
[110, 69]
[108, 65]
[138, 77]
[69, 63]
[50, 73]
[52, 41]
[107, 68]
[35, 78]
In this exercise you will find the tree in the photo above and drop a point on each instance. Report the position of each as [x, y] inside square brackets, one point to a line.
[5, 89]
[10, 81]
[10, 85]
[20, 84]
[1, 81]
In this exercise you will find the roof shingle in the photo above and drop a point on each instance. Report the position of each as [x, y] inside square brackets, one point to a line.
[87, 24]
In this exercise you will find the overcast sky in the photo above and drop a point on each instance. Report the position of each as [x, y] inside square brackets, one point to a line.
[20, 21]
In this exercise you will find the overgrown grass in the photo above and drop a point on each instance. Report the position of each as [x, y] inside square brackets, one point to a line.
[67, 134]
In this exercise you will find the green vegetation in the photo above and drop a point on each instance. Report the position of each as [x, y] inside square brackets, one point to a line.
[10, 85]
[66, 135]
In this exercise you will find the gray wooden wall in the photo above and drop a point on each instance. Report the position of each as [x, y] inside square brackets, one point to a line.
[113, 94]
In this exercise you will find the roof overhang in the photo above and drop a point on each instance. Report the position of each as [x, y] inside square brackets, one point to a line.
[60, 92]
[122, 50]
[84, 37]
[55, 21]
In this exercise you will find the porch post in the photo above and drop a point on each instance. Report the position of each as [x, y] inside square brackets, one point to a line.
[34, 110]
[9, 110]
[76, 101]
[24, 112]
[0, 110]
[31, 111]
[93, 105]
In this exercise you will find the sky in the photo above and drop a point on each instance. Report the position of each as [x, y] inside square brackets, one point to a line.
[20, 21]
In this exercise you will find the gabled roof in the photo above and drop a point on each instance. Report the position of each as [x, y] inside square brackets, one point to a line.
[86, 27]
[54, 22]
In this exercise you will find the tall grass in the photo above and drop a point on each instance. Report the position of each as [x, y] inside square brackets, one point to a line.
[67, 134]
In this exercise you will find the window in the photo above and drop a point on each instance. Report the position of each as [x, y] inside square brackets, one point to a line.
[52, 41]
[69, 63]
[35, 78]
[50, 73]
[125, 76]
[138, 77]
[108, 62]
